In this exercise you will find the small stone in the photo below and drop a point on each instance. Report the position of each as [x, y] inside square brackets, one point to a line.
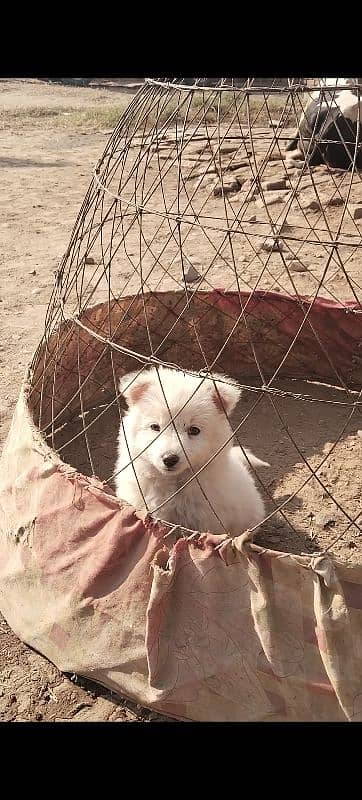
[252, 218]
[189, 269]
[325, 520]
[273, 185]
[200, 173]
[204, 181]
[227, 148]
[297, 266]
[226, 187]
[310, 204]
[273, 245]
[270, 198]
[334, 202]
[359, 433]
[236, 165]
[276, 156]
[89, 260]
[294, 163]
[32, 272]
[36, 291]
[355, 210]
[192, 274]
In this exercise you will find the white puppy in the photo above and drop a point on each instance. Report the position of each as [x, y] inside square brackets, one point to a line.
[165, 454]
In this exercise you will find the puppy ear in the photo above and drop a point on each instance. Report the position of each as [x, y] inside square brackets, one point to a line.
[225, 393]
[133, 385]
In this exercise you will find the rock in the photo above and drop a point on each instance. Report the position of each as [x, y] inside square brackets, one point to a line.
[297, 266]
[252, 218]
[270, 198]
[227, 148]
[236, 165]
[334, 202]
[276, 156]
[359, 433]
[310, 204]
[325, 520]
[200, 173]
[355, 210]
[273, 185]
[294, 163]
[273, 245]
[36, 291]
[192, 275]
[89, 260]
[32, 272]
[199, 149]
[205, 180]
[205, 156]
[226, 187]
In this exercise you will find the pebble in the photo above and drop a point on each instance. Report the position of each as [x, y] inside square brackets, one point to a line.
[355, 209]
[334, 202]
[226, 187]
[204, 181]
[36, 291]
[325, 520]
[297, 266]
[294, 163]
[273, 245]
[273, 185]
[192, 274]
[228, 148]
[200, 173]
[89, 260]
[32, 272]
[270, 198]
[236, 165]
[311, 204]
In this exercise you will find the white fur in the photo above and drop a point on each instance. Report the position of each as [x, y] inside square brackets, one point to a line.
[226, 481]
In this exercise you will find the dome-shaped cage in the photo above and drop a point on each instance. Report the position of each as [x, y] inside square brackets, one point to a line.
[220, 234]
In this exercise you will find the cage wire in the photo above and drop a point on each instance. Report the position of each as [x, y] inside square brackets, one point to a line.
[221, 217]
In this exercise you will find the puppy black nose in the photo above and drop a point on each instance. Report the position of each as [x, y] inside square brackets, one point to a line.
[171, 460]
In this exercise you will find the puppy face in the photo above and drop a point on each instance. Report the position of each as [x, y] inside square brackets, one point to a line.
[198, 409]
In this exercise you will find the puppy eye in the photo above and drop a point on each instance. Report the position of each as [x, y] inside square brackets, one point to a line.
[155, 427]
[193, 431]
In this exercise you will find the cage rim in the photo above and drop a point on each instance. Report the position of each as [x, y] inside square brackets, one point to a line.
[306, 560]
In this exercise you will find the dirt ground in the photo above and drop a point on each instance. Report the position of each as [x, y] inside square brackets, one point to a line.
[46, 171]
[45, 174]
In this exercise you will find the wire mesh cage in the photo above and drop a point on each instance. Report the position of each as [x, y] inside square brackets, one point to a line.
[220, 240]
[197, 192]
